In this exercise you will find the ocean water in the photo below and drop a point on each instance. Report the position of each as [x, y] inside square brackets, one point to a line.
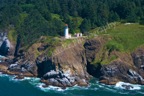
[32, 87]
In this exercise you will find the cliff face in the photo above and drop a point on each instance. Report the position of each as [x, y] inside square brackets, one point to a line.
[71, 64]
[66, 66]
[20, 64]
[6, 48]
[126, 67]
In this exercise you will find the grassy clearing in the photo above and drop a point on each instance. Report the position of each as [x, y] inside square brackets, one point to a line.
[122, 38]
[127, 36]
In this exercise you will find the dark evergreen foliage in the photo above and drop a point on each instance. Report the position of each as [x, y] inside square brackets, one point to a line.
[36, 17]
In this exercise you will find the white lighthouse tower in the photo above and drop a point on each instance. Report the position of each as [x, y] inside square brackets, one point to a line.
[66, 32]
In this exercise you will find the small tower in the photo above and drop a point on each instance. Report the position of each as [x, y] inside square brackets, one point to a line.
[66, 31]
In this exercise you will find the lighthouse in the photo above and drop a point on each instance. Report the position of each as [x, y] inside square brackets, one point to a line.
[66, 32]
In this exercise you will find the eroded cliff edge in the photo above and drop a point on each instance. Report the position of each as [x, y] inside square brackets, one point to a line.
[58, 62]
[112, 66]
[65, 63]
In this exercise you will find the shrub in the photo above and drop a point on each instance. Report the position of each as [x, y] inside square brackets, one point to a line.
[112, 45]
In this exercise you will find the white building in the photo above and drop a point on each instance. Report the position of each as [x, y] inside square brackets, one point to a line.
[81, 34]
[78, 34]
[66, 32]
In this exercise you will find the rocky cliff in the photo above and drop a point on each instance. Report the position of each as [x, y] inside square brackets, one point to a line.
[6, 48]
[125, 66]
[67, 64]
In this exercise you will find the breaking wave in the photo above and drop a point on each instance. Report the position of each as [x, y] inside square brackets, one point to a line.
[127, 86]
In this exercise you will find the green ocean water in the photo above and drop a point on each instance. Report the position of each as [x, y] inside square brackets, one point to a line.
[32, 87]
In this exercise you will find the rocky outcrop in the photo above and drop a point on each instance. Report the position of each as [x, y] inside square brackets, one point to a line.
[24, 69]
[126, 67]
[20, 65]
[6, 48]
[66, 67]
[119, 71]
[92, 47]
[138, 60]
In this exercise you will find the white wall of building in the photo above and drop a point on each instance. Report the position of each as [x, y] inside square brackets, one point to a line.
[66, 32]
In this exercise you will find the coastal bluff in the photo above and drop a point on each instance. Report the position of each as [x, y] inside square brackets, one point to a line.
[74, 62]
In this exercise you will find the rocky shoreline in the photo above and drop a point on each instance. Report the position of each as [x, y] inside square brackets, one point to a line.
[74, 64]
[50, 78]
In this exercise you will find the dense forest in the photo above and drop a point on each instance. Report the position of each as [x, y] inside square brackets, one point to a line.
[32, 18]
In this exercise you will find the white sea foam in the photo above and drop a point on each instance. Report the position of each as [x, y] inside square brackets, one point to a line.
[49, 88]
[54, 88]
[2, 56]
[3, 75]
[36, 82]
[76, 87]
[101, 85]
[13, 78]
[127, 86]
[10, 77]
[33, 81]
[27, 78]
[141, 93]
